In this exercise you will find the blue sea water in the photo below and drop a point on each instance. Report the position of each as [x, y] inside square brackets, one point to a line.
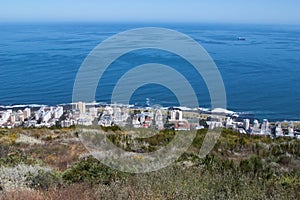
[39, 63]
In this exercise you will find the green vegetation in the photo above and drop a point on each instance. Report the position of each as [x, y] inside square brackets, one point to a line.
[91, 171]
[13, 159]
[238, 167]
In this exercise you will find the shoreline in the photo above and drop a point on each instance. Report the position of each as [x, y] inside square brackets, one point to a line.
[68, 106]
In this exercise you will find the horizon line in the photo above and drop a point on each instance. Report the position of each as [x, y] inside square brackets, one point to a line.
[144, 22]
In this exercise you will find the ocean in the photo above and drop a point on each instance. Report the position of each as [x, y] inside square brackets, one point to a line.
[261, 74]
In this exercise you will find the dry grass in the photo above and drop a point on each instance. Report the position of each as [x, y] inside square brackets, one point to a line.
[73, 192]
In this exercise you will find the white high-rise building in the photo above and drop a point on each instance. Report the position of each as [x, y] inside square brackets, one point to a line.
[81, 107]
[27, 113]
[278, 129]
[108, 110]
[20, 116]
[159, 120]
[39, 113]
[246, 124]
[256, 124]
[265, 127]
[176, 115]
[125, 114]
[229, 122]
[12, 118]
[93, 112]
[117, 114]
[291, 128]
[58, 112]
[135, 122]
[142, 118]
[4, 116]
[214, 124]
[46, 116]
[291, 131]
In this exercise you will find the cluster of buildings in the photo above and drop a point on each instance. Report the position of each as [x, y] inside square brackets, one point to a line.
[252, 127]
[14, 118]
[143, 118]
[176, 118]
[43, 117]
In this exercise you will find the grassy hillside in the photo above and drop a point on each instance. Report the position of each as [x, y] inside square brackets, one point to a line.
[53, 164]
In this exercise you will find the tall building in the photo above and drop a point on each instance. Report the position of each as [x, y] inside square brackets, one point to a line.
[81, 107]
[4, 116]
[46, 116]
[159, 120]
[256, 124]
[93, 112]
[12, 118]
[246, 124]
[278, 129]
[108, 110]
[265, 127]
[229, 122]
[58, 112]
[117, 114]
[291, 128]
[20, 116]
[175, 115]
[27, 113]
[142, 118]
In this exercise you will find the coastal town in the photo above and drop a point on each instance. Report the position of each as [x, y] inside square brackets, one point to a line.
[160, 118]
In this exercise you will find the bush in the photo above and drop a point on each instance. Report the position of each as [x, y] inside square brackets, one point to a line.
[17, 177]
[43, 180]
[253, 165]
[91, 171]
[17, 158]
[10, 138]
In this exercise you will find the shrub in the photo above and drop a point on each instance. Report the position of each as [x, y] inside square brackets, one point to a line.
[43, 180]
[10, 138]
[17, 177]
[17, 158]
[91, 171]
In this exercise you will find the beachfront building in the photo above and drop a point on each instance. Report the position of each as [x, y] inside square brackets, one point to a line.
[182, 125]
[175, 114]
[27, 113]
[246, 124]
[159, 120]
[46, 116]
[4, 116]
[214, 124]
[255, 130]
[12, 118]
[176, 118]
[58, 112]
[93, 112]
[229, 123]
[68, 123]
[135, 122]
[117, 115]
[278, 130]
[256, 124]
[265, 129]
[81, 107]
[144, 119]
[108, 110]
[84, 122]
[291, 128]
[20, 116]
[105, 120]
